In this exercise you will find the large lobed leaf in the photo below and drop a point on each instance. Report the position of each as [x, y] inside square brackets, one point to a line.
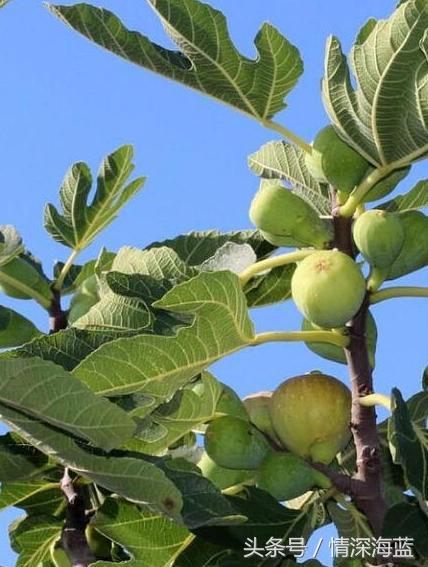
[385, 117]
[80, 222]
[158, 366]
[208, 60]
[416, 198]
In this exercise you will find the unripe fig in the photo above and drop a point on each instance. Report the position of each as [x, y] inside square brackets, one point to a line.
[235, 444]
[328, 288]
[286, 476]
[221, 477]
[230, 403]
[283, 241]
[257, 406]
[379, 236]
[21, 270]
[278, 211]
[414, 253]
[334, 162]
[336, 353]
[311, 415]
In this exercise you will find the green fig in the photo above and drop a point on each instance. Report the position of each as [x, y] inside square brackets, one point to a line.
[221, 477]
[333, 161]
[235, 444]
[282, 241]
[230, 403]
[22, 271]
[336, 353]
[311, 415]
[379, 236]
[278, 211]
[257, 406]
[328, 288]
[414, 252]
[286, 476]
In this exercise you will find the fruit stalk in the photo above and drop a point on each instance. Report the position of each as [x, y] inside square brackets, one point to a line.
[366, 484]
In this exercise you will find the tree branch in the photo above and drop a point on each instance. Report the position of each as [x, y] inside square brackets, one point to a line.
[366, 485]
[57, 317]
[73, 538]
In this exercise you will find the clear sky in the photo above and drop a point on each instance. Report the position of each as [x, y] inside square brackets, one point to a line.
[64, 99]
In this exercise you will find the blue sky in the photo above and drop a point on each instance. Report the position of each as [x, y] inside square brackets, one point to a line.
[64, 99]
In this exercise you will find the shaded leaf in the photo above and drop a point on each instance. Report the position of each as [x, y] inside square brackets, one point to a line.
[159, 366]
[170, 421]
[135, 479]
[195, 248]
[407, 520]
[385, 117]
[49, 393]
[18, 459]
[148, 537]
[280, 160]
[270, 288]
[80, 222]
[36, 497]
[15, 329]
[350, 522]
[416, 198]
[208, 60]
[34, 536]
[408, 438]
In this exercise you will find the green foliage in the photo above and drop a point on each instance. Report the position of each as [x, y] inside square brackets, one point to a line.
[122, 396]
[80, 222]
[208, 60]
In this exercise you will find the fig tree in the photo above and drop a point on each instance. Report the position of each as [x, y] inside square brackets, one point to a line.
[328, 288]
[278, 211]
[333, 161]
[221, 477]
[286, 476]
[235, 444]
[414, 252]
[311, 416]
[257, 406]
[336, 353]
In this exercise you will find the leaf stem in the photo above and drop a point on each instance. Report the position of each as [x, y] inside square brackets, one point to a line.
[274, 262]
[27, 290]
[399, 291]
[286, 133]
[329, 337]
[376, 400]
[355, 198]
[65, 269]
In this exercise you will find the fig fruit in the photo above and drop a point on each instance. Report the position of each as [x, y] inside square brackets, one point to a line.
[379, 236]
[333, 161]
[328, 288]
[221, 477]
[414, 252]
[286, 476]
[277, 211]
[336, 353]
[21, 270]
[311, 415]
[230, 403]
[235, 444]
[257, 406]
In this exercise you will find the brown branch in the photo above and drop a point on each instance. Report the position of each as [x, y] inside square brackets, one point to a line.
[73, 538]
[366, 484]
[57, 317]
